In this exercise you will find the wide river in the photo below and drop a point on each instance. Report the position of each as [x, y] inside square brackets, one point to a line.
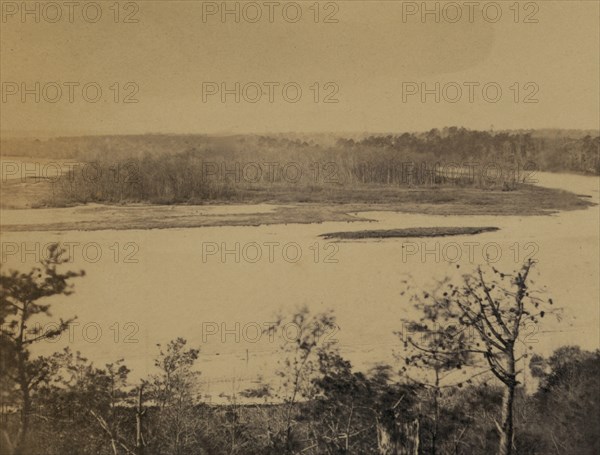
[181, 286]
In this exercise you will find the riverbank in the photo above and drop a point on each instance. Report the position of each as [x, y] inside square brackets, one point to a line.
[416, 232]
[528, 200]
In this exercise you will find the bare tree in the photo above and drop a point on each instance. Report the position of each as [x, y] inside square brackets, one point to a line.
[498, 307]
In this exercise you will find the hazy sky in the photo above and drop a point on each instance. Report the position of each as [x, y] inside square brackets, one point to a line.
[367, 56]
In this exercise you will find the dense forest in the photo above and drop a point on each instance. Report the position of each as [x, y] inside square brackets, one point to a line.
[455, 389]
[195, 168]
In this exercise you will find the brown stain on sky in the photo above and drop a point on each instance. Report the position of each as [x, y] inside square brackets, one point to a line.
[369, 53]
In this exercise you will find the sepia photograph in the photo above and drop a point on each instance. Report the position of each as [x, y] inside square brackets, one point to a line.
[310, 227]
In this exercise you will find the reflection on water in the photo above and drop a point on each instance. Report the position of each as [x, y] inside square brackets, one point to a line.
[182, 285]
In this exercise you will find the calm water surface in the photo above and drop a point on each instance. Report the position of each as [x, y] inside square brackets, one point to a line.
[176, 290]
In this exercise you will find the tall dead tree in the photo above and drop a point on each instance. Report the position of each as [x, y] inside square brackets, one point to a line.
[499, 308]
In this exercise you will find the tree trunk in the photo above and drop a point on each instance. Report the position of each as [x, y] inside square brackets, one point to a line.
[24, 430]
[387, 442]
[394, 438]
[139, 440]
[506, 425]
[506, 428]
[20, 448]
[413, 439]
[436, 413]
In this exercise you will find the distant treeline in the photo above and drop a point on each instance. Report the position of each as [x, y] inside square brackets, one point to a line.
[195, 168]
[551, 150]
